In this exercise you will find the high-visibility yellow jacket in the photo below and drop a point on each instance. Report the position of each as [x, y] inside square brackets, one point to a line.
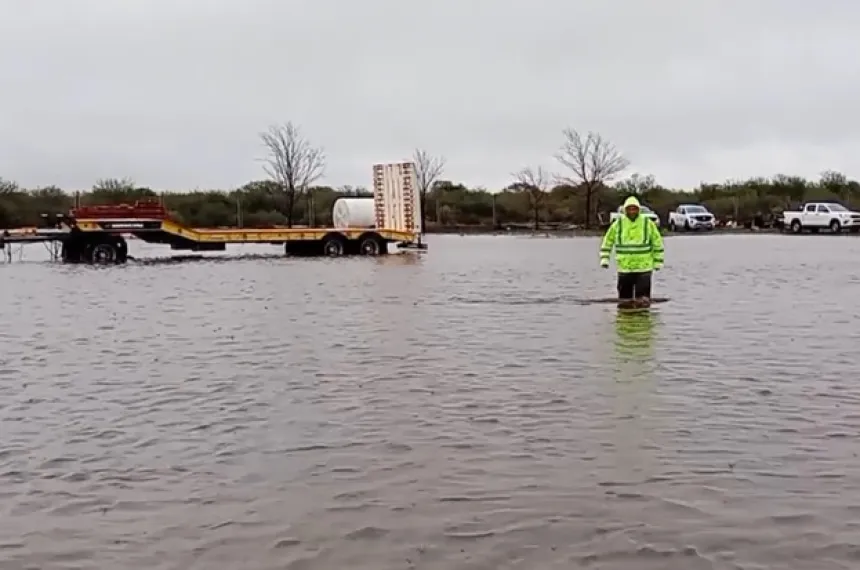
[638, 243]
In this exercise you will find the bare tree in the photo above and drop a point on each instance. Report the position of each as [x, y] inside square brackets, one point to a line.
[535, 183]
[592, 161]
[293, 163]
[428, 168]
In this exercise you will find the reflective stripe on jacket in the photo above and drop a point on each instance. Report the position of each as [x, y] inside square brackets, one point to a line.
[638, 244]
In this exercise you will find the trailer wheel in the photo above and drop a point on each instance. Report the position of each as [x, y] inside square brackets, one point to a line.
[371, 244]
[333, 245]
[796, 228]
[103, 253]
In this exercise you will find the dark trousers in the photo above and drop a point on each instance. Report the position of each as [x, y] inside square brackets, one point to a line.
[634, 285]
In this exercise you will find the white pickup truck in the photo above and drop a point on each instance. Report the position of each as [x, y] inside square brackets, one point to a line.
[691, 217]
[643, 210]
[816, 216]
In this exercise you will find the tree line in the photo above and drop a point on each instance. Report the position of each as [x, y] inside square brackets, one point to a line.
[589, 185]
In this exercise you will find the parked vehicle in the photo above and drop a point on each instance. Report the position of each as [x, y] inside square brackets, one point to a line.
[643, 210]
[816, 216]
[691, 217]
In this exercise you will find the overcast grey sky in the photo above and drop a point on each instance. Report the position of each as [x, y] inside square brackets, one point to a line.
[174, 93]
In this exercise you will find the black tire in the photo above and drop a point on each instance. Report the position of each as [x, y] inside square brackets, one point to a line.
[102, 253]
[371, 245]
[796, 227]
[686, 225]
[333, 246]
[835, 227]
[672, 227]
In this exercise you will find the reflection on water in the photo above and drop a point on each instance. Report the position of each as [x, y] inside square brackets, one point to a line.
[635, 383]
[634, 336]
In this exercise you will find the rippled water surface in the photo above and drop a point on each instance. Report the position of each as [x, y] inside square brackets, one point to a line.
[457, 410]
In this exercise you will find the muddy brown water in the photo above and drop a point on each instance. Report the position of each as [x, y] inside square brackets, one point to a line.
[457, 410]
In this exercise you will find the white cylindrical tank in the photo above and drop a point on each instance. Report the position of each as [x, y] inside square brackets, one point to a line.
[353, 213]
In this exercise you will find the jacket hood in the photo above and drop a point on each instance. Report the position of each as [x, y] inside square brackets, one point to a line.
[631, 201]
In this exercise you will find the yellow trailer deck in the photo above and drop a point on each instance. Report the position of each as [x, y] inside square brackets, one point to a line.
[235, 235]
[279, 235]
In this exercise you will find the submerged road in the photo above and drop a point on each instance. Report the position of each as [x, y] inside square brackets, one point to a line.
[457, 410]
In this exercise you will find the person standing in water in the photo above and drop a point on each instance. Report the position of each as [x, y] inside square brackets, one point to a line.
[638, 248]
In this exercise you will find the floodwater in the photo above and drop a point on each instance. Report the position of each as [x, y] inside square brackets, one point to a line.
[455, 410]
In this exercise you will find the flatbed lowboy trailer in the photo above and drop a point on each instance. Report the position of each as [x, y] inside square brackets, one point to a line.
[95, 234]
